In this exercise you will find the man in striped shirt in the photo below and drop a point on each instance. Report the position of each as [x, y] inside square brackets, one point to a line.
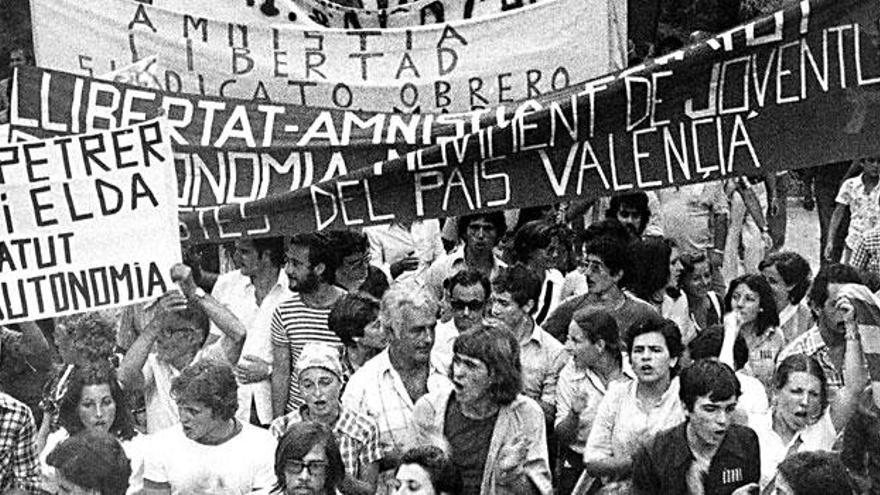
[302, 318]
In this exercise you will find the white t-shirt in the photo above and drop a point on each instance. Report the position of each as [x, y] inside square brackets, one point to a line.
[133, 448]
[243, 464]
[161, 409]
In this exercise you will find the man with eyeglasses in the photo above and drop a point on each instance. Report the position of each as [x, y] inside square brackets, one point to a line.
[307, 461]
[466, 294]
[354, 271]
[604, 261]
[480, 232]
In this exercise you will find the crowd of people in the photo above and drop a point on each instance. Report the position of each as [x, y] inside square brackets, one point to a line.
[540, 351]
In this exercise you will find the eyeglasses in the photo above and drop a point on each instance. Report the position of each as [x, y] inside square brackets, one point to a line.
[315, 468]
[459, 305]
[360, 261]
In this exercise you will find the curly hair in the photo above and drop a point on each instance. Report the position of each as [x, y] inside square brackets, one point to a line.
[816, 473]
[93, 460]
[91, 337]
[299, 439]
[444, 476]
[402, 296]
[97, 373]
[768, 314]
[496, 218]
[499, 351]
[320, 245]
[210, 383]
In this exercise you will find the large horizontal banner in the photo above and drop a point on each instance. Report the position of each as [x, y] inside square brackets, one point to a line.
[351, 14]
[230, 151]
[795, 89]
[88, 221]
[448, 67]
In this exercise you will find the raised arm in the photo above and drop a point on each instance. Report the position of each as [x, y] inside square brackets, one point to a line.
[854, 375]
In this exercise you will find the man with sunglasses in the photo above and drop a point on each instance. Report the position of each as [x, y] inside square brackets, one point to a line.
[466, 295]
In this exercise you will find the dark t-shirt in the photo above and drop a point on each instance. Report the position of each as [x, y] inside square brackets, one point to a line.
[469, 440]
[630, 312]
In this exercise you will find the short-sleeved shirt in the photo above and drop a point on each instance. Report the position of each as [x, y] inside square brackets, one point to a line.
[866, 254]
[542, 358]
[686, 211]
[377, 390]
[243, 464]
[357, 434]
[633, 310]
[864, 209]
[19, 467]
[295, 324]
[469, 441]
[579, 383]
[238, 293]
[624, 423]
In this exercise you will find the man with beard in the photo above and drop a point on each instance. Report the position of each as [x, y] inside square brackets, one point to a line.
[466, 294]
[632, 210]
[388, 386]
[302, 319]
[826, 341]
[707, 453]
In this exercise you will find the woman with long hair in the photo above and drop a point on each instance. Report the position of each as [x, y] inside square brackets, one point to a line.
[750, 305]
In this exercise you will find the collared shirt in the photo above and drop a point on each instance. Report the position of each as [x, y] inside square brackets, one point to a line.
[392, 243]
[812, 344]
[542, 358]
[763, 352]
[357, 434]
[448, 265]
[294, 324]
[238, 293]
[18, 451]
[624, 423]
[662, 467]
[378, 391]
[863, 208]
[820, 435]
[579, 383]
[866, 255]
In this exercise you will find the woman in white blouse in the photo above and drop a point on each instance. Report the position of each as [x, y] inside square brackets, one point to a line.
[632, 413]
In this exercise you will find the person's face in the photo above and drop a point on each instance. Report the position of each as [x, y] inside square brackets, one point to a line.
[559, 254]
[178, 337]
[777, 285]
[710, 420]
[321, 390]
[829, 316]
[675, 267]
[373, 342]
[746, 302]
[870, 166]
[414, 336]
[198, 421]
[799, 401]
[631, 218]
[481, 234]
[584, 352]
[467, 303]
[308, 475]
[17, 58]
[697, 284]
[247, 259]
[67, 487]
[650, 358]
[302, 275]
[471, 378]
[412, 479]
[354, 266]
[504, 308]
[599, 278]
[96, 408]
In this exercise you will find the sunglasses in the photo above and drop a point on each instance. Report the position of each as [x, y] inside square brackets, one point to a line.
[315, 468]
[459, 305]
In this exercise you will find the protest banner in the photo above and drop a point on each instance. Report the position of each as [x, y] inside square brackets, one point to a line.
[449, 67]
[773, 94]
[352, 14]
[88, 221]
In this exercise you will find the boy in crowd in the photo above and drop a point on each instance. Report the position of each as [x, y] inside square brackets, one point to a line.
[707, 453]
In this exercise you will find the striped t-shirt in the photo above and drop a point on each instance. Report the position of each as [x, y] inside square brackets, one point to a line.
[294, 324]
